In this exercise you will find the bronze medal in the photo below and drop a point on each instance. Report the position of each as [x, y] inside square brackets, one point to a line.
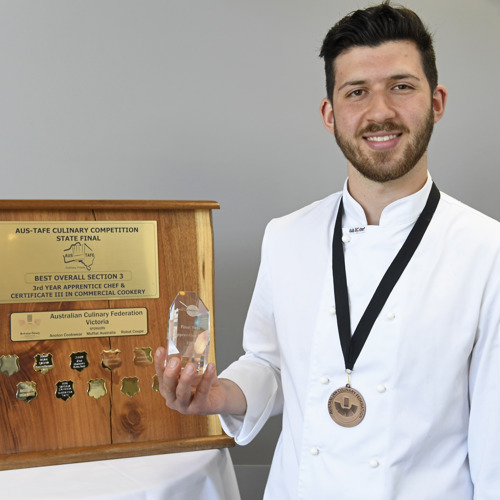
[347, 407]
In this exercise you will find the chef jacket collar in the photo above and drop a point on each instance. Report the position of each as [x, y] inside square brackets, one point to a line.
[400, 212]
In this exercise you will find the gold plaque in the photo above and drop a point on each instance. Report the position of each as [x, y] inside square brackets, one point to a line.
[130, 386]
[9, 364]
[111, 359]
[347, 407]
[97, 388]
[89, 323]
[78, 261]
[26, 391]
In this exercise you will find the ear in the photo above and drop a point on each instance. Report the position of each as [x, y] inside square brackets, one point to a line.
[439, 98]
[326, 111]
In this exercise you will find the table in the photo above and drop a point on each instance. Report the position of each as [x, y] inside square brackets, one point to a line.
[196, 475]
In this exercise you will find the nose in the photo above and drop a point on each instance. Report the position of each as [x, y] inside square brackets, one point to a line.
[380, 108]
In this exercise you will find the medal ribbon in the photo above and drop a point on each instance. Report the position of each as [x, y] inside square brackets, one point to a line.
[352, 346]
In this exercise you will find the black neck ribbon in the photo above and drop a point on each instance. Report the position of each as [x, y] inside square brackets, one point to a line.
[352, 345]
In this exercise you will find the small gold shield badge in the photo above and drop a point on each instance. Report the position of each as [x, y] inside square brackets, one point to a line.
[97, 388]
[111, 359]
[26, 391]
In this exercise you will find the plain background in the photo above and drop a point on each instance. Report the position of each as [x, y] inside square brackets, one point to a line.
[218, 99]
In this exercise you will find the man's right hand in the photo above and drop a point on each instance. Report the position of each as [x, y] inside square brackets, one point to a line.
[190, 393]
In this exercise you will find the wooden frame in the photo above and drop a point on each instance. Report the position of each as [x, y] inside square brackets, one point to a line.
[48, 430]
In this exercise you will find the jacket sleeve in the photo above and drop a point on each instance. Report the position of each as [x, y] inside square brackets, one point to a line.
[484, 395]
[257, 372]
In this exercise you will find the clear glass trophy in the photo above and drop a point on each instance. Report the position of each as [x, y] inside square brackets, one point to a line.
[189, 330]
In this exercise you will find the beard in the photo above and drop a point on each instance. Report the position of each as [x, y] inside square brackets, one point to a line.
[382, 166]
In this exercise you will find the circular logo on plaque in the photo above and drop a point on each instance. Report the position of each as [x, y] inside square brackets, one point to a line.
[192, 310]
[347, 407]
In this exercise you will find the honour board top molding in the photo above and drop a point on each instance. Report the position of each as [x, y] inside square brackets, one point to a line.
[108, 205]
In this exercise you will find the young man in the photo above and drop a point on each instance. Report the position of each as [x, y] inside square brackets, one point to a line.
[405, 403]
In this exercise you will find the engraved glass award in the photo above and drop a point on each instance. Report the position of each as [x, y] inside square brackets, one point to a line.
[189, 330]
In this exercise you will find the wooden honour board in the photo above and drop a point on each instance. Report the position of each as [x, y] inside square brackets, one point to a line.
[47, 430]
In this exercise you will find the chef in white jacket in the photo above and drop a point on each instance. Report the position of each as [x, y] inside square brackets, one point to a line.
[374, 327]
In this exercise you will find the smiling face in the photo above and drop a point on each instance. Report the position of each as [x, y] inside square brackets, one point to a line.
[383, 112]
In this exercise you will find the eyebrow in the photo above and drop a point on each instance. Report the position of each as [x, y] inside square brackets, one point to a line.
[401, 76]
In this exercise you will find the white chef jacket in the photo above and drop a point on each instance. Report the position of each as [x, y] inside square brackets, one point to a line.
[429, 371]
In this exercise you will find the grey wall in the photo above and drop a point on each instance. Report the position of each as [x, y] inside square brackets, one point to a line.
[217, 99]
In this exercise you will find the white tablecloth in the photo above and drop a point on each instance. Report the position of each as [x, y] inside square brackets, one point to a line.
[196, 475]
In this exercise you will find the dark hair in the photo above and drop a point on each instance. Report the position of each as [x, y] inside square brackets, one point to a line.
[372, 27]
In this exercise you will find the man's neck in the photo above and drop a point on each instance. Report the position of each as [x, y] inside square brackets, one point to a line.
[375, 196]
